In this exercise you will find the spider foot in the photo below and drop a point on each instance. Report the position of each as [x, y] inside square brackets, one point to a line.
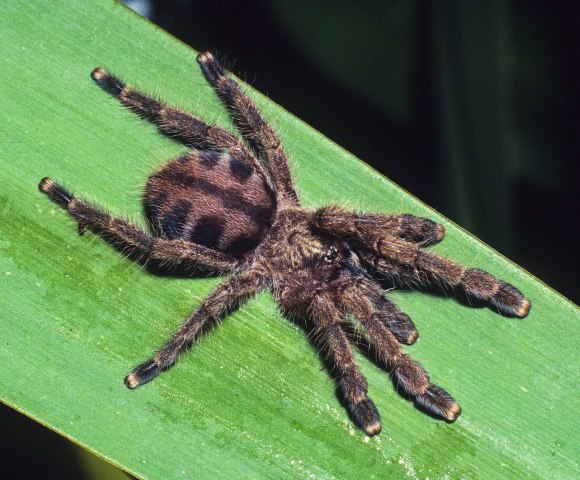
[210, 67]
[422, 231]
[510, 301]
[403, 328]
[55, 192]
[438, 402]
[411, 338]
[110, 84]
[366, 416]
[503, 296]
[144, 373]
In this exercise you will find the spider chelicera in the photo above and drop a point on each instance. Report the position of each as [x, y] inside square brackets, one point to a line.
[230, 206]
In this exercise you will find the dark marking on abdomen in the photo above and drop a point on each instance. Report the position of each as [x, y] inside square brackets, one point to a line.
[240, 170]
[209, 158]
[245, 243]
[207, 231]
[173, 222]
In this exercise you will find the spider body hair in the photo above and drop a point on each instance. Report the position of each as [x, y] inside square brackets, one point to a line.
[230, 205]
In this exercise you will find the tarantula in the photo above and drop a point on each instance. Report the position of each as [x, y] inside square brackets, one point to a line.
[230, 206]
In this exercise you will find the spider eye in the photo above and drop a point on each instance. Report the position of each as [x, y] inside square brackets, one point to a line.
[331, 254]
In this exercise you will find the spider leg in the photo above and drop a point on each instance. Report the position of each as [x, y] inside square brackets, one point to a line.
[225, 298]
[475, 282]
[342, 223]
[406, 372]
[409, 264]
[131, 239]
[261, 136]
[338, 353]
[189, 129]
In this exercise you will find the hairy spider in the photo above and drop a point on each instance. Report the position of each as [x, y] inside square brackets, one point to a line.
[230, 206]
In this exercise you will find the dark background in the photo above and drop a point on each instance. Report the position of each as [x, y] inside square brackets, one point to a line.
[470, 106]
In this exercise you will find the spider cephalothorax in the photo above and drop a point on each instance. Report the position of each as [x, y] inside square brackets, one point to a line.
[230, 206]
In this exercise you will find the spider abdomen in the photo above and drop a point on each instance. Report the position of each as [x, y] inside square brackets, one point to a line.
[209, 198]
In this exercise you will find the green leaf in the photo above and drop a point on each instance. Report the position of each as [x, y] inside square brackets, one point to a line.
[250, 400]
